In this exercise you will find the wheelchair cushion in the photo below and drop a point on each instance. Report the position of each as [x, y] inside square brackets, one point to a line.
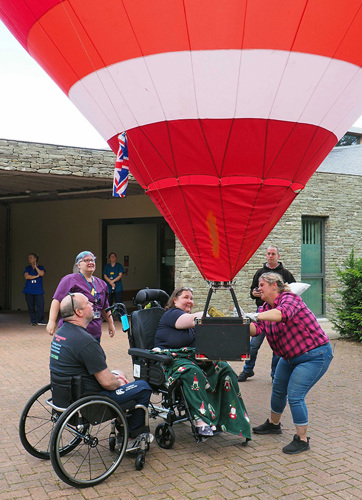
[144, 325]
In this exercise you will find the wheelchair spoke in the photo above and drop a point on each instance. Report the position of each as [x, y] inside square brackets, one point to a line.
[92, 460]
[37, 423]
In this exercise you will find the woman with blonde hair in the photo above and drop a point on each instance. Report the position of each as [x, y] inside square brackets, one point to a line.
[295, 335]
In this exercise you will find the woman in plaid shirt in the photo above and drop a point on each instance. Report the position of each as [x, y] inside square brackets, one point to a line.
[295, 335]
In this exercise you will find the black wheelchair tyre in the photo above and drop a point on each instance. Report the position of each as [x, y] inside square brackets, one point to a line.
[112, 443]
[88, 420]
[165, 436]
[36, 425]
[140, 461]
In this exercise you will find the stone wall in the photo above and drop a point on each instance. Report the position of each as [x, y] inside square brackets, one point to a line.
[337, 197]
[33, 158]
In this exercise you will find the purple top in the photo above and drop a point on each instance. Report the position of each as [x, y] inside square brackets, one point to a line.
[299, 330]
[77, 283]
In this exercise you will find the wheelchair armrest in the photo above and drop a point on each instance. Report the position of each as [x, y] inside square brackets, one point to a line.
[143, 353]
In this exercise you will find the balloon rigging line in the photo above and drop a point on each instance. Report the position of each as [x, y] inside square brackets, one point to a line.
[224, 224]
[249, 222]
[265, 173]
[247, 226]
[194, 85]
[237, 91]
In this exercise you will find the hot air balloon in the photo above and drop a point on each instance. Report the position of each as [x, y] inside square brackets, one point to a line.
[229, 105]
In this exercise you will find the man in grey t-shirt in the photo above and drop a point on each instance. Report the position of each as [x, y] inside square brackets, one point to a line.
[75, 352]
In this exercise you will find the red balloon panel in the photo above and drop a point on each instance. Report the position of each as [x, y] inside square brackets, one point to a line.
[221, 227]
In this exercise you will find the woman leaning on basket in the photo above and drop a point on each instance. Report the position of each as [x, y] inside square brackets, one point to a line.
[294, 334]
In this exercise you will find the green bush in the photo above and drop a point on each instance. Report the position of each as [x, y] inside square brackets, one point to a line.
[347, 316]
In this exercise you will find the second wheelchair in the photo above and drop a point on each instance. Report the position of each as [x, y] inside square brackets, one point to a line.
[85, 437]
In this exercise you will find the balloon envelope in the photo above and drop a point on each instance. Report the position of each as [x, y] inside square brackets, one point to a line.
[229, 106]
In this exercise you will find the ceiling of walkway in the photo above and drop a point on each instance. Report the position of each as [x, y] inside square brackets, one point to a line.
[17, 186]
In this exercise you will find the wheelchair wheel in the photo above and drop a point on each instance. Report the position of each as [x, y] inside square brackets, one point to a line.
[112, 443]
[165, 436]
[92, 461]
[37, 423]
[140, 461]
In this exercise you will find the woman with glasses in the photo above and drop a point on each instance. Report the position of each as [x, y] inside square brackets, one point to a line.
[92, 287]
[211, 388]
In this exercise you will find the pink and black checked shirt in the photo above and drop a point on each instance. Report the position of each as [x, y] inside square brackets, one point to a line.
[299, 330]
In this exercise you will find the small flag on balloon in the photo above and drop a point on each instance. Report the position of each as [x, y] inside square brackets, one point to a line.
[121, 169]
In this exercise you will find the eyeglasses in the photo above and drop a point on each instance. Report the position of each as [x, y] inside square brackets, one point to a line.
[71, 295]
[184, 289]
[88, 261]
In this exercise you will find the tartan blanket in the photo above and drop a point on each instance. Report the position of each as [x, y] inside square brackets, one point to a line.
[211, 390]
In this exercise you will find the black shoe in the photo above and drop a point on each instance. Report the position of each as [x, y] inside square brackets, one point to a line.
[296, 446]
[244, 375]
[267, 428]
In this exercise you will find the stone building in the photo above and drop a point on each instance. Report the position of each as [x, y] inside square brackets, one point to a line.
[56, 201]
[330, 207]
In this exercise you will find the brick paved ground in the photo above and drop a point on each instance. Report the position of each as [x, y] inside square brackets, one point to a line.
[217, 469]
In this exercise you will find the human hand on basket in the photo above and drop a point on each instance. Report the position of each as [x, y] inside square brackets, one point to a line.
[252, 316]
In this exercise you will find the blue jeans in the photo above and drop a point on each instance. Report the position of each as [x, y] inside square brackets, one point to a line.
[295, 377]
[255, 343]
[138, 391]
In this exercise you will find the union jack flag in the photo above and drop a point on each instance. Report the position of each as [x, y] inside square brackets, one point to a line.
[121, 169]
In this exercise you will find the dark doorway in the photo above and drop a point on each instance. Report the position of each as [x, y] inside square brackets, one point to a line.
[145, 248]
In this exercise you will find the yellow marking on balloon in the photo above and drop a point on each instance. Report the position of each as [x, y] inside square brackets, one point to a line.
[213, 234]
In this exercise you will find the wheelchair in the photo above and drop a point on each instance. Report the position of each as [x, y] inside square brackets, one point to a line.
[141, 328]
[84, 436]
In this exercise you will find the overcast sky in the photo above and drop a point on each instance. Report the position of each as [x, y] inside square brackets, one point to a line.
[33, 108]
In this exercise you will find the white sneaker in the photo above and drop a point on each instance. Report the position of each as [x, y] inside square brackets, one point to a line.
[205, 430]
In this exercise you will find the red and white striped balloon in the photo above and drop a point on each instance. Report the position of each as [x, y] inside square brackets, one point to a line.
[229, 105]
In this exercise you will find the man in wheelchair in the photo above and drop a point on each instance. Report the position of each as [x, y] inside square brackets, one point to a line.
[74, 352]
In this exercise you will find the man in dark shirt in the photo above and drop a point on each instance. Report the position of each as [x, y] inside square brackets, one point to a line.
[75, 352]
[272, 264]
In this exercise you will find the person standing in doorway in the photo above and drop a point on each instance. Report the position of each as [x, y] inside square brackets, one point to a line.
[272, 264]
[112, 274]
[33, 290]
